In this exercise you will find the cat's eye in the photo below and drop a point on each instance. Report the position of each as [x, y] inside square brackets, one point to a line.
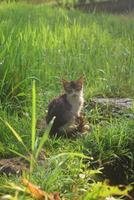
[78, 89]
[69, 90]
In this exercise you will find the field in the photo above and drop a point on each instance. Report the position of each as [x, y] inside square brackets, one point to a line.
[45, 44]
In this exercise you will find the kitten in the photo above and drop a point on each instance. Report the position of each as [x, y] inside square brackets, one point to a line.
[67, 107]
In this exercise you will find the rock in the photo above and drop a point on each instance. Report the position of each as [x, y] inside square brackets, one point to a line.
[116, 102]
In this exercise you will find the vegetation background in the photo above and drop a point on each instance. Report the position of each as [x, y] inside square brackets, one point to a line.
[45, 43]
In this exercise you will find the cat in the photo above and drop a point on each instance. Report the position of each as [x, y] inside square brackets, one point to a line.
[66, 108]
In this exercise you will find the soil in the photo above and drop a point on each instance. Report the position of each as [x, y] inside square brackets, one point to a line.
[16, 165]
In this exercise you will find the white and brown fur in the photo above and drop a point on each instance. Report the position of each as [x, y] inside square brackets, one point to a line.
[67, 107]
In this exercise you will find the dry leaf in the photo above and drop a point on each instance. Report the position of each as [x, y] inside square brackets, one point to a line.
[56, 196]
[34, 190]
[37, 193]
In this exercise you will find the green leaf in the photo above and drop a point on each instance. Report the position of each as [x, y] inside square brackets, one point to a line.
[14, 133]
[19, 154]
[44, 138]
[71, 154]
[33, 115]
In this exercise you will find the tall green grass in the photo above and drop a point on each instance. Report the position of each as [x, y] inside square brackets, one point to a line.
[46, 44]
[67, 172]
[50, 43]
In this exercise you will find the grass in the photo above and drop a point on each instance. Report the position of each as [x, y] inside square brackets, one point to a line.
[45, 44]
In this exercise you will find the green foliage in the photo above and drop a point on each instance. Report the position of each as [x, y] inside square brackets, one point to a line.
[36, 146]
[46, 44]
[111, 144]
[68, 175]
[37, 45]
[2, 148]
[102, 190]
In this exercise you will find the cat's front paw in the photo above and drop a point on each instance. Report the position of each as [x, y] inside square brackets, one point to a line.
[86, 127]
[72, 127]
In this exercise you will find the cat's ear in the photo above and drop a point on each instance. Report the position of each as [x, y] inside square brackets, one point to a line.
[81, 80]
[64, 82]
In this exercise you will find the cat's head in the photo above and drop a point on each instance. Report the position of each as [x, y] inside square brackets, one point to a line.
[73, 88]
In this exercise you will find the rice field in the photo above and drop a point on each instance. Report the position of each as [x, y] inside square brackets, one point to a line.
[45, 43]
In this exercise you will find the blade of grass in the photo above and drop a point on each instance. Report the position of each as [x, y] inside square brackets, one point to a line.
[72, 155]
[3, 80]
[42, 141]
[19, 84]
[19, 154]
[33, 115]
[44, 138]
[15, 134]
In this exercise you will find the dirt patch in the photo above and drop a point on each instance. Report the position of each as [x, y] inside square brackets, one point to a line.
[117, 173]
[17, 165]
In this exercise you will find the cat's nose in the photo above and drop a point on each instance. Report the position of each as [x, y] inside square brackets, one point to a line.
[74, 95]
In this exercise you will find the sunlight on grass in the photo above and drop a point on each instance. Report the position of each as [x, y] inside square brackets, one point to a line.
[44, 44]
[98, 46]
[35, 150]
